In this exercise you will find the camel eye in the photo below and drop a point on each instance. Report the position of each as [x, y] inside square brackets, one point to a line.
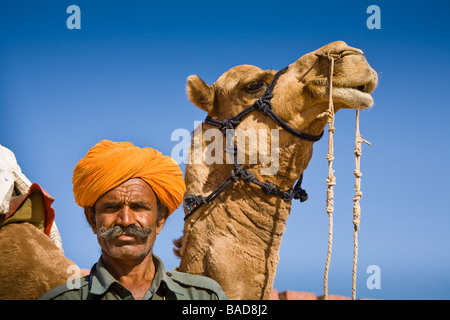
[254, 86]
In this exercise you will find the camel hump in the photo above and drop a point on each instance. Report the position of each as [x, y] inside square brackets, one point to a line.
[194, 284]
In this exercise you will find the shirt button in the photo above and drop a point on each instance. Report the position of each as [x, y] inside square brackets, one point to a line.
[169, 274]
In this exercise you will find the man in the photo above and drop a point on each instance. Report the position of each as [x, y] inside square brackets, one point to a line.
[127, 194]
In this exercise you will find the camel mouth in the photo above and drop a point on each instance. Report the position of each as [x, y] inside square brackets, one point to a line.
[356, 96]
[353, 97]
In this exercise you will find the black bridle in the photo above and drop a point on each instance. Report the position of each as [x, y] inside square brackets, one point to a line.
[193, 202]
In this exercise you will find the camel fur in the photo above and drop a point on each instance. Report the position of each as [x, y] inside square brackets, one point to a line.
[31, 264]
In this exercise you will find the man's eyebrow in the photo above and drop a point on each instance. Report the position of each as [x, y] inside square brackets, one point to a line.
[110, 203]
[134, 203]
[141, 203]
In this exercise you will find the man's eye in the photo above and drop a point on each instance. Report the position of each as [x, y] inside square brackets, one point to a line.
[140, 206]
[111, 206]
[254, 86]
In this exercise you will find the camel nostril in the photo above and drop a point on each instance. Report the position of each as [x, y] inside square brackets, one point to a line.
[337, 54]
[350, 51]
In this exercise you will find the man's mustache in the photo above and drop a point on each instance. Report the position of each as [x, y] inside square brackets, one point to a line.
[131, 230]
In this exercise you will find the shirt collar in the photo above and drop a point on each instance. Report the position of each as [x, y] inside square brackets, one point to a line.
[163, 276]
[100, 279]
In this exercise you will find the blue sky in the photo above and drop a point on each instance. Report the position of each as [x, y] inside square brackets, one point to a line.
[122, 77]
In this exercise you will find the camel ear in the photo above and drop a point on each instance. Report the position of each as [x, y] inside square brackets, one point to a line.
[199, 93]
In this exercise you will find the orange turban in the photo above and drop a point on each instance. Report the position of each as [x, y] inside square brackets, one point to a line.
[109, 164]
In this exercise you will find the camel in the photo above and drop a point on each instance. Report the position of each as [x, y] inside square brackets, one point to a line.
[31, 257]
[235, 239]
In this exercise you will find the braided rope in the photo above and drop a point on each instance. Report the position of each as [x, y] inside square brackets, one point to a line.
[331, 180]
[356, 206]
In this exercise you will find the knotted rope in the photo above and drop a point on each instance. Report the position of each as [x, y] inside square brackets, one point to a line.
[356, 206]
[331, 179]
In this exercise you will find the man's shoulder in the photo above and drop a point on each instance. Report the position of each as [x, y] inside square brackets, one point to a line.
[198, 282]
[72, 291]
[194, 280]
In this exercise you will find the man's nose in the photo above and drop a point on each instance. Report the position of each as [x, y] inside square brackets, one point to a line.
[126, 217]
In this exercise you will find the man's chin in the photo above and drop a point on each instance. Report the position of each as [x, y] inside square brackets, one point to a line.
[125, 253]
[126, 250]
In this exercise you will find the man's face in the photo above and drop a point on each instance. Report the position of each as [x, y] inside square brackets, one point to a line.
[133, 203]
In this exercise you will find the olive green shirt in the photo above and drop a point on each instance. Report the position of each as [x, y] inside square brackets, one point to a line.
[170, 285]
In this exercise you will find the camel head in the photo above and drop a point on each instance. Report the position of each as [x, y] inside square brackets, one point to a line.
[301, 94]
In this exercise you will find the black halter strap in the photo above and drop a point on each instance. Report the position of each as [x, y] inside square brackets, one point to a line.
[264, 105]
[193, 202]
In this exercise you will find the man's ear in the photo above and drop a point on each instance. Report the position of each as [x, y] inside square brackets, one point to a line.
[199, 93]
[90, 216]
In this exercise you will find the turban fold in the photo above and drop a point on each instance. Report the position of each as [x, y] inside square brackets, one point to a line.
[109, 164]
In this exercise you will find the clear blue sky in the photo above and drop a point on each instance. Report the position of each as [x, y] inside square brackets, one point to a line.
[122, 77]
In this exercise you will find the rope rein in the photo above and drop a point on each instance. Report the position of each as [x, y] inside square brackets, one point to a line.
[331, 181]
[356, 206]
